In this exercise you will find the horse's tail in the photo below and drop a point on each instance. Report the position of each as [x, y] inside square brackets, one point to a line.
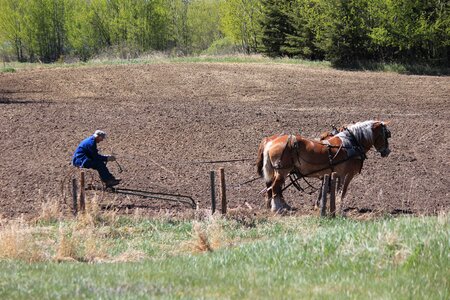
[260, 158]
[267, 168]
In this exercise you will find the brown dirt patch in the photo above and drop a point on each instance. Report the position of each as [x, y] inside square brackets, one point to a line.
[161, 118]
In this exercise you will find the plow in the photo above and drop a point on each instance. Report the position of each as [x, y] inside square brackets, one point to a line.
[168, 197]
[80, 184]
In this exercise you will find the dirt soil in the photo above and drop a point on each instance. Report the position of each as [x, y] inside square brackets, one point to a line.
[163, 119]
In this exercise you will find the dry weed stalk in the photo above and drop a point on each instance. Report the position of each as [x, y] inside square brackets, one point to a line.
[110, 217]
[443, 217]
[216, 233]
[137, 215]
[50, 211]
[201, 242]
[93, 215]
[66, 249]
[207, 237]
[400, 256]
[130, 256]
[17, 242]
[95, 248]
[93, 208]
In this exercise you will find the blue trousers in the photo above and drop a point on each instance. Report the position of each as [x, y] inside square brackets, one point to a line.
[101, 168]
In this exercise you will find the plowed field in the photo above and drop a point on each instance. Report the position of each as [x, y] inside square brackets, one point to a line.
[162, 120]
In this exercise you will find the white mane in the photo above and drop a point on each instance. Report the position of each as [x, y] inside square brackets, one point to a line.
[361, 130]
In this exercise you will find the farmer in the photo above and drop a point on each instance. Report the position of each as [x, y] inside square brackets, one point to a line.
[86, 156]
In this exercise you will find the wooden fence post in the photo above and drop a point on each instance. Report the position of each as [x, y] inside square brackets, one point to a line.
[82, 192]
[333, 194]
[213, 192]
[223, 196]
[323, 200]
[74, 196]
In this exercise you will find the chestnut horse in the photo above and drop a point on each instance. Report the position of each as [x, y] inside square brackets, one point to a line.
[260, 160]
[343, 153]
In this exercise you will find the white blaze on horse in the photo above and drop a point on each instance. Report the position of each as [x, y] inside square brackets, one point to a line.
[343, 153]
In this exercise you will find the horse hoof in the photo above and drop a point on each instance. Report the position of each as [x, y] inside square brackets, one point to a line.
[275, 206]
[275, 209]
[287, 207]
[279, 211]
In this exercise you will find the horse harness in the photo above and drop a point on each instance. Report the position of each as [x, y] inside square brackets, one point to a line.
[353, 151]
[289, 144]
[356, 150]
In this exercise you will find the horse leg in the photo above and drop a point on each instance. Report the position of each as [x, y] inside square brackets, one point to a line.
[285, 205]
[268, 194]
[317, 203]
[344, 184]
[278, 202]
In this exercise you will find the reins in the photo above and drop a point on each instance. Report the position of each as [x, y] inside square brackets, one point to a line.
[298, 175]
[302, 176]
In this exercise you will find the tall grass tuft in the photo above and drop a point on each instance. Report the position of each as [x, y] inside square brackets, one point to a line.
[50, 211]
[18, 243]
[95, 248]
[67, 247]
[207, 236]
[201, 242]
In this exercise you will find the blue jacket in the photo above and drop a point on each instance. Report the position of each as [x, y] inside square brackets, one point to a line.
[87, 150]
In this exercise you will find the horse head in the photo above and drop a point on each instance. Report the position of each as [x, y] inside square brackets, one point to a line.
[381, 134]
[369, 134]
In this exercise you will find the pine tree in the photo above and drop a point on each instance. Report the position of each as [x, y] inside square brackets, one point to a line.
[275, 28]
[300, 42]
[349, 34]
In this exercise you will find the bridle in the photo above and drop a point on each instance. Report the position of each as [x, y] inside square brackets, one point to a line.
[384, 151]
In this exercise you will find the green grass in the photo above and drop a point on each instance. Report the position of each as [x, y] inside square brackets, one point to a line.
[7, 70]
[400, 68]
[410, 69]
[165, 59]
[268, 258]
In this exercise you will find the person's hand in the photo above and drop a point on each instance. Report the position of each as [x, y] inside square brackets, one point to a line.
[111, 158]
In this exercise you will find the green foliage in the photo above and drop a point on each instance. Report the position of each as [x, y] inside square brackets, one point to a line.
[417, 30]
[8, 70]
[276, 27]
[349, 33]
[12, 26]
[203, 21]
[346, 32]
[224, 46]
[241, 22]
[301, 41]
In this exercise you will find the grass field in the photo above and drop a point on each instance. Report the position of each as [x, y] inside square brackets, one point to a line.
[105, 256]
[243, 256]
[416, 68]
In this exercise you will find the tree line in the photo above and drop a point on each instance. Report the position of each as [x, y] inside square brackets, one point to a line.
[342, 31]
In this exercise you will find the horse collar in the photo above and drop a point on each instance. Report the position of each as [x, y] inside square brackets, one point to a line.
[359, 149]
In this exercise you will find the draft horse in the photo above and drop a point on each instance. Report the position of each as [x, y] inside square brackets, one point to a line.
[343, 153]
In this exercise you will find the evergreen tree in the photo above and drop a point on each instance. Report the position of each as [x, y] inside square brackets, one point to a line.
[349, 33]
[275, 28]
[300, 42]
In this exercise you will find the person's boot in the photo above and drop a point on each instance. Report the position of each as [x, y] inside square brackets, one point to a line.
[112, 182]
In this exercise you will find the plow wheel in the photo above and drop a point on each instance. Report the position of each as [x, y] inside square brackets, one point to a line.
[71, 188]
